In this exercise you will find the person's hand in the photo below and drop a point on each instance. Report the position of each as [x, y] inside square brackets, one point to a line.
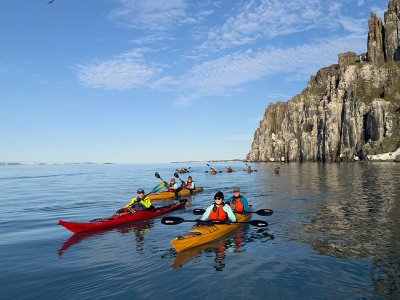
[228, 222]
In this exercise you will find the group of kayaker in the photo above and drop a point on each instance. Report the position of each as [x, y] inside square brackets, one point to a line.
[229, 169]
[223, 211]
[143, 202]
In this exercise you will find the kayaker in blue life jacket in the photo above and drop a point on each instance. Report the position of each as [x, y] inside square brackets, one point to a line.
[141, 202]
[219, 211]
[237, 202]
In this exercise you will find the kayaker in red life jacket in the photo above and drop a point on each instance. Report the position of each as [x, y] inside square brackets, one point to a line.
[141, 202]
[218, 211]
[190, 183]
[237, 202]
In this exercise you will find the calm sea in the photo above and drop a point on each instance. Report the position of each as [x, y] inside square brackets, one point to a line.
[334, 234]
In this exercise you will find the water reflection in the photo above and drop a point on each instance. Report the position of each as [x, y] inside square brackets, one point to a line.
[220, 249]
[359, 218]
[139, 229]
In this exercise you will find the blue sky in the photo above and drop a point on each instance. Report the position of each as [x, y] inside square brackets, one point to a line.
[133, 81]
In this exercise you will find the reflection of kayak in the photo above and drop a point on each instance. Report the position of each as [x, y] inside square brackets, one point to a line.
[202, 234]
[118, 220]
[219, 247]
[80, 236]
[169, 195]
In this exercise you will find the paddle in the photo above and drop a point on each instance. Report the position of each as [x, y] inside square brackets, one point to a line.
[159, 177]
[177, 220]
[260, 212]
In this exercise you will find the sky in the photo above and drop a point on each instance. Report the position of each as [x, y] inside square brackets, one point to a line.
[135, 81]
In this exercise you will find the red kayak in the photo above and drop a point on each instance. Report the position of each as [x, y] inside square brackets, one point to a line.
[115, 220]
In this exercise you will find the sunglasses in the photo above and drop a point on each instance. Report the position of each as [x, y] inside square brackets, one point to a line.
[236, 191]
[218, 198]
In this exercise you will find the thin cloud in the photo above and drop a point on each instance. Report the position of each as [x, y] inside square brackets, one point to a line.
[126, 71]
[217, 77]
[156, 15]
[265, 20]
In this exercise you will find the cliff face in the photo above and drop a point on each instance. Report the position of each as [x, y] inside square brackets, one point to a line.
[347, 111]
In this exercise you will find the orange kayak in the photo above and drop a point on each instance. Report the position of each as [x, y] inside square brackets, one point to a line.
[169, 195]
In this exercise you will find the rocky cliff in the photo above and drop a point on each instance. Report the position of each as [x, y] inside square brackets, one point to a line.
[348, 111]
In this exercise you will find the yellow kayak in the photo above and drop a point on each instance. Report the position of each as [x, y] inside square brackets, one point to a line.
[201, 234]
[169, 195]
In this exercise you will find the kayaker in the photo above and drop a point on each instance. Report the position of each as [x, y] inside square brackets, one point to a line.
[277, 170]
[190, 183]
[174, 187]
[249, 169]
[237, 202]
[218, 211]
[140, 202]
[229, 169]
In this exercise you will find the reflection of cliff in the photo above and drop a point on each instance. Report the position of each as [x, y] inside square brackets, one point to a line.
[347, 111]
[362, 222]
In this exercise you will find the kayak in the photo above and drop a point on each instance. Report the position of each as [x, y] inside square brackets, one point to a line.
[202, 234]
[115, 220]
[213, 172]
[168, 195]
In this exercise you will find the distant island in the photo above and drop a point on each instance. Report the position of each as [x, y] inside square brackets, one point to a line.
[2, 163]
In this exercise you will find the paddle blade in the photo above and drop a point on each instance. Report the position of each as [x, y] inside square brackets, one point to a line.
[158, 188]
[264, 212]
[157, 175]
[176, 175]
[172, 220]
[258, 223]
[198, 211]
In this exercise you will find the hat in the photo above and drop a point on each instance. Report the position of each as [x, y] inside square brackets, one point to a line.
[236, 189]
[219, 194]
[139, 191]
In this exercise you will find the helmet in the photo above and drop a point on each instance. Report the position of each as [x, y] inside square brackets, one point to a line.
[219, 194]
[139, 191]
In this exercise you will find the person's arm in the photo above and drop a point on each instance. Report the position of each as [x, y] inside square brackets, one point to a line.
[245, 204]
[206, 215]
[176, 186]
[231, 214]
[132, 202]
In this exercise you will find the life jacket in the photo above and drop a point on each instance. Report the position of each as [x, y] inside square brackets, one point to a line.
[218, 213]
[189, 184]
[237, 205]
[170, 187]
